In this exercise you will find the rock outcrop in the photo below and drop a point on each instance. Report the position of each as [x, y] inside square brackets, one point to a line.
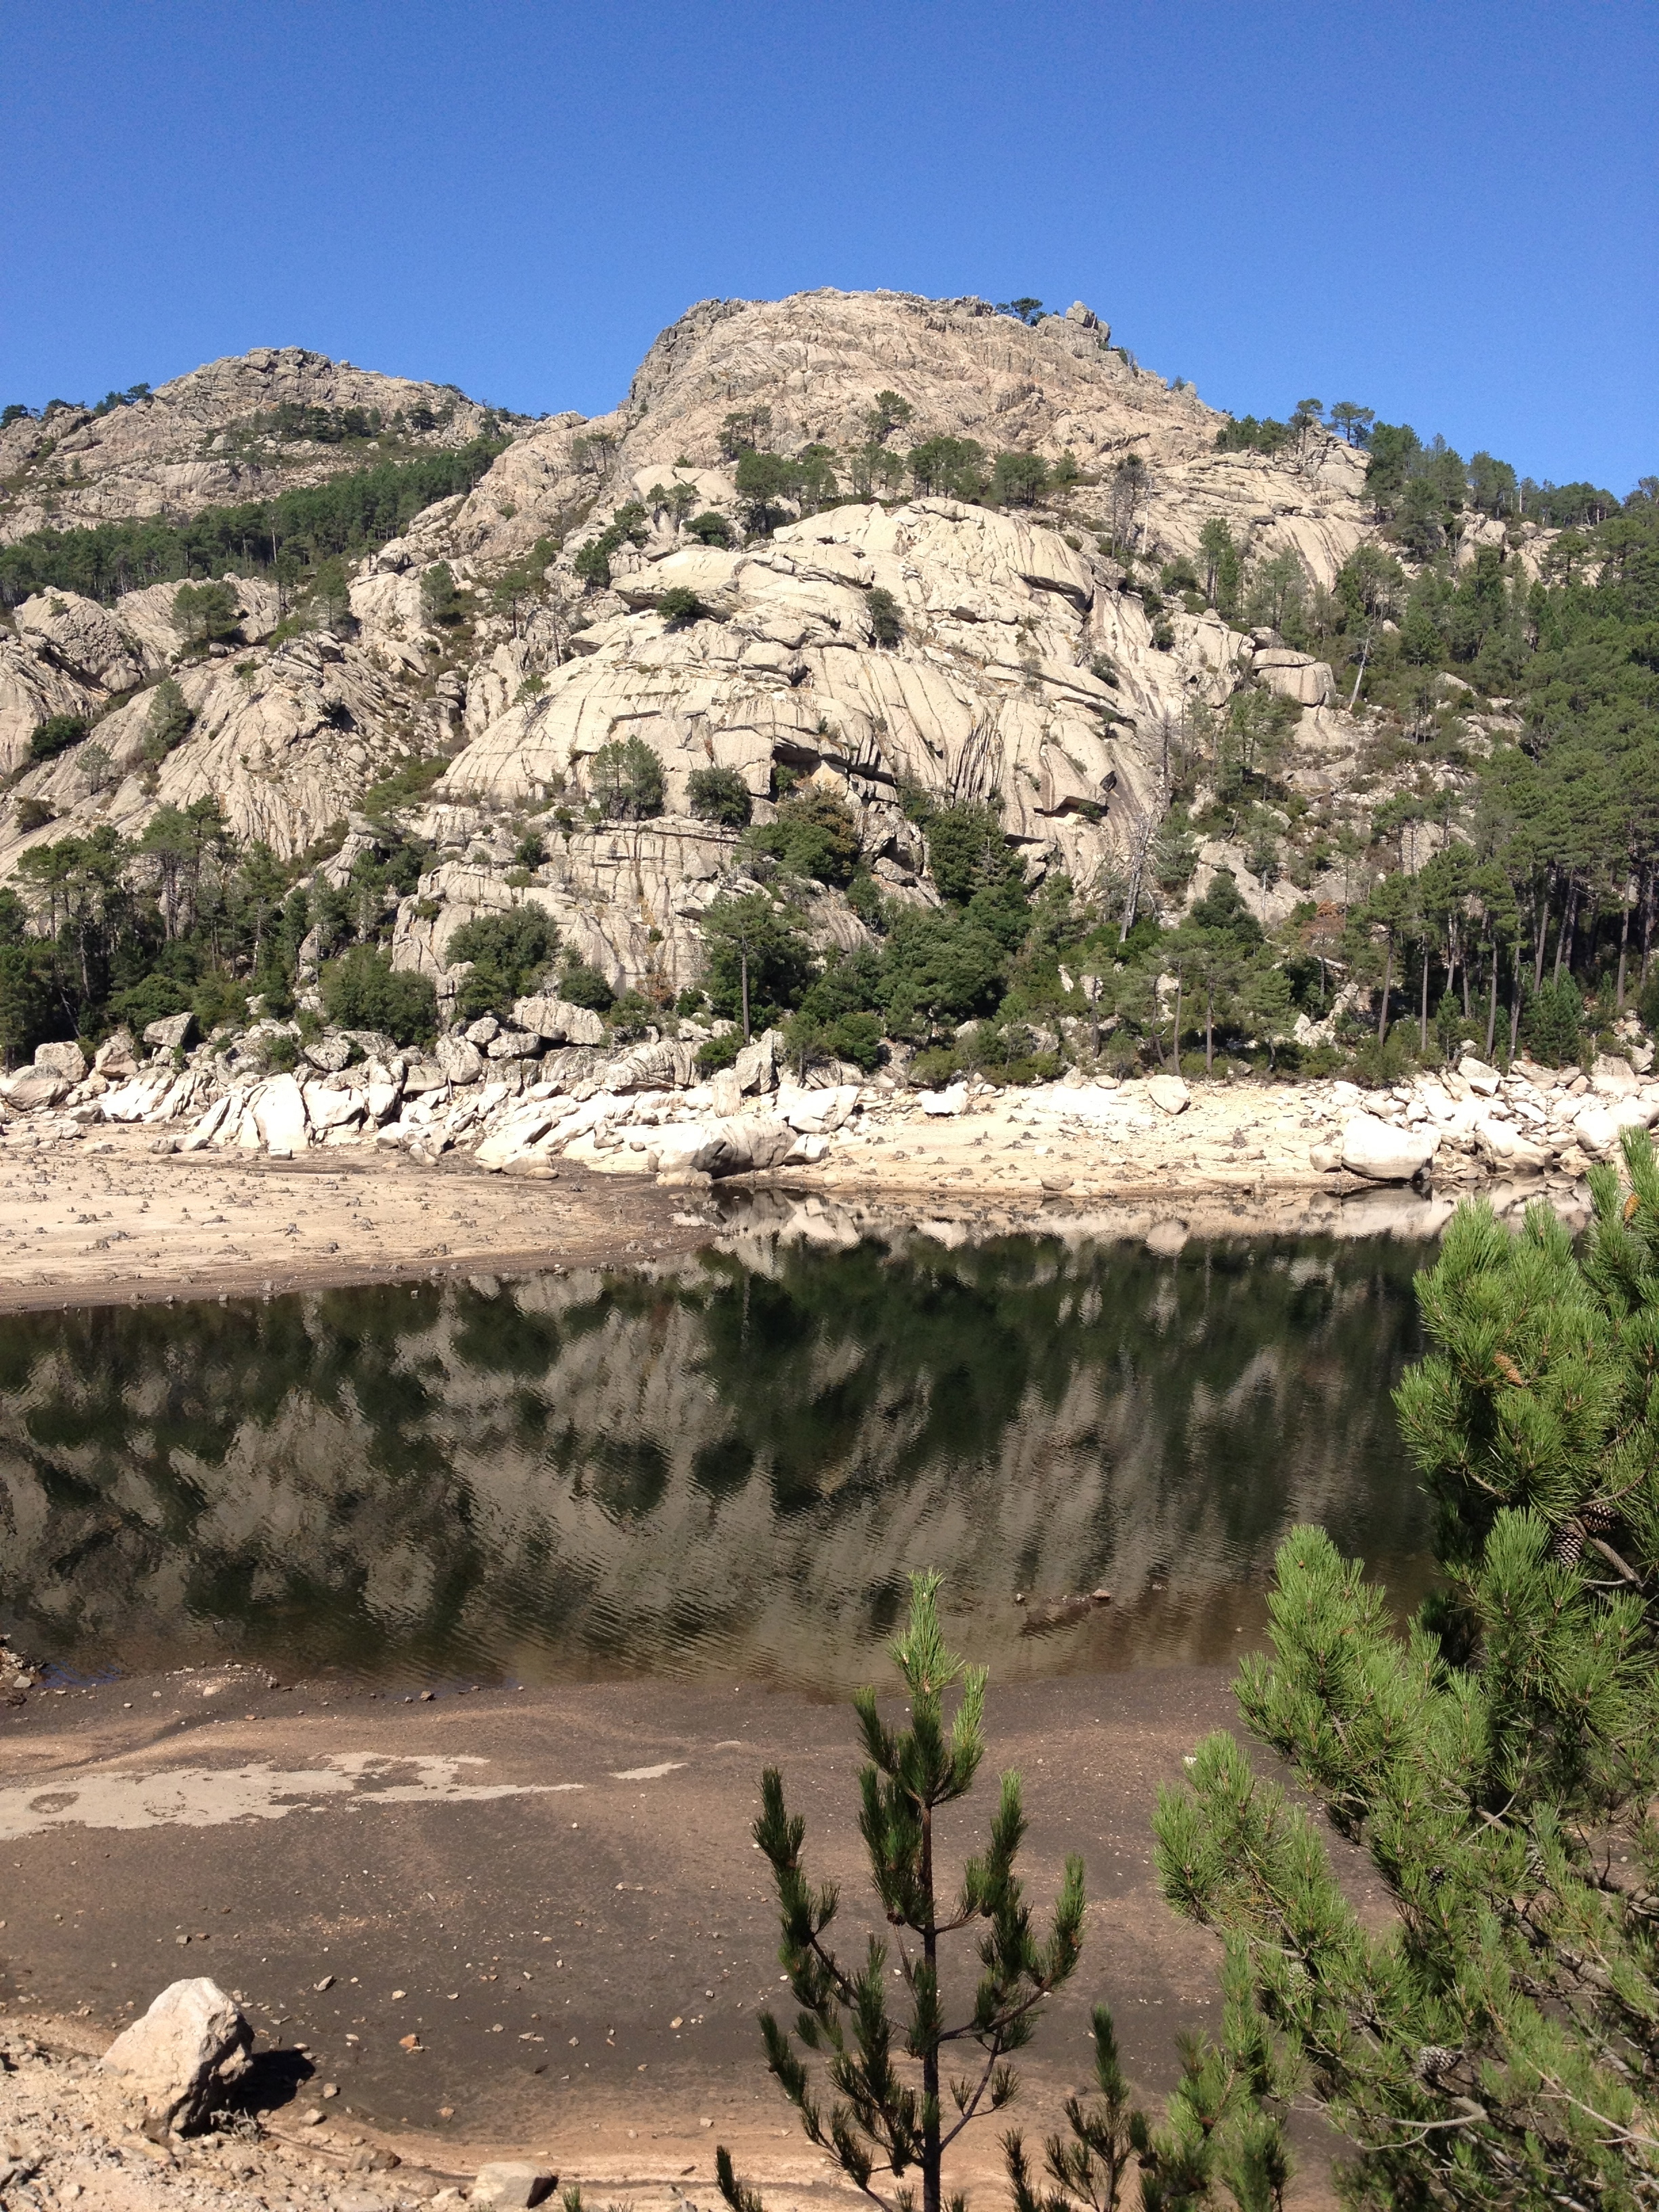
[1023, 668]
[209, 439]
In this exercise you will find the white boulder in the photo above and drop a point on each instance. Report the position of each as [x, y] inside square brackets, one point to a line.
[742, 1145]
[1168, 1093]
[1506, 1147]
[279, 1115]
[1480, 1078]
[65, 1061]
[180, 2056]
[1598, 1127]
[557, 1022]
[328, 1108]
[169, 1034]
[1612, 1078]
[1296, 676]
[756, 1065]
[816, 1113]
[949, 1103]
[1375, 1149]
[460, 1061]
[511, 2184]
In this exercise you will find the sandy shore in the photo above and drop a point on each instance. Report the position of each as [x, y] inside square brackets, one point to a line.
[108, 1219]
[112, 1221]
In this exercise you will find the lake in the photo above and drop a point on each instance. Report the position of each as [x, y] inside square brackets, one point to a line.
[722, 1467]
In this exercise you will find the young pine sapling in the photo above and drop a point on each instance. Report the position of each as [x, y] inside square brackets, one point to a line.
[896, 2103]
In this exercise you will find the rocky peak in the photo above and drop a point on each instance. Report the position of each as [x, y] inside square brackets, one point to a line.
[233, 429]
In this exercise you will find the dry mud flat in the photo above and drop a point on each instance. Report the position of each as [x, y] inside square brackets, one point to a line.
[501, 1923]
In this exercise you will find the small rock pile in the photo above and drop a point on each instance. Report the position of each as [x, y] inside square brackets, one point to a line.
[17, 1676]
[154, 2124]
[515, 1095]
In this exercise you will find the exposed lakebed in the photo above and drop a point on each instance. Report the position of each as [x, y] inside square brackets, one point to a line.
[719, 1468]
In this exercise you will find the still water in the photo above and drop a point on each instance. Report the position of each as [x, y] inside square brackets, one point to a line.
[724, 1468]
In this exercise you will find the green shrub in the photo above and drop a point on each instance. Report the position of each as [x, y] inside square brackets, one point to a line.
[713, 529]
[56, 735]
[205, 613]
[966, 850]
[405, 784]
[217, 999]
[152, 1000]
[630, 1013]
[850, 1037]
[1553, 1022]
[680, 605]
[583, 986]
[764, 480]
[934, 1069]
[1019, 479]
[719, 794]
[33, 814]
[719, 1052]
[591, 564]
[363, 991]
[508, 952]
[439, 598]
[167, 724]
[814, 834]
[1377, 1067]
[886, 624]
[951, 468]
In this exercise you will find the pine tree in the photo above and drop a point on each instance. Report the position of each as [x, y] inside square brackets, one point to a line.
[887, 2117]
[1499, 2044]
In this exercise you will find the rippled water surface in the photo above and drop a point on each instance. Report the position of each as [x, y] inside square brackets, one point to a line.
[725, 1469]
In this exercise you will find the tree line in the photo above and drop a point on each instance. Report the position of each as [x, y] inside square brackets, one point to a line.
[281, 536]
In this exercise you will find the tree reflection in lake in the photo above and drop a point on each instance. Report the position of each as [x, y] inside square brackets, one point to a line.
[723, 1468]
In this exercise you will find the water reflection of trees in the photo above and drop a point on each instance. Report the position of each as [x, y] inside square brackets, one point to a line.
[732, 1463]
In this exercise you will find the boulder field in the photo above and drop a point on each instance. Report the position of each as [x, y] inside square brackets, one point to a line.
[520, 1097]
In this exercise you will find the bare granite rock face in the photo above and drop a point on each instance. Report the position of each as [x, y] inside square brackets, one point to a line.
[817, 361]
[1018, 658]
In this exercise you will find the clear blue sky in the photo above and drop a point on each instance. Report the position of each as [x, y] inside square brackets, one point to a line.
[1447, 212]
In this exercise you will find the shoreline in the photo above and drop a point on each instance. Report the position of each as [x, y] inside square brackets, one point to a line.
[209, 1225]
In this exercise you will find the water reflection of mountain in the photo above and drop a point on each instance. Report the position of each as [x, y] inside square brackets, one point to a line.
[727, 1467]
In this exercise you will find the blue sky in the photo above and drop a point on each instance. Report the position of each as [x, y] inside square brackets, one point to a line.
[1449, 213]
